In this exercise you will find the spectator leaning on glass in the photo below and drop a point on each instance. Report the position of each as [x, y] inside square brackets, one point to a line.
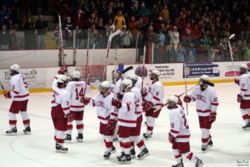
[174, 37]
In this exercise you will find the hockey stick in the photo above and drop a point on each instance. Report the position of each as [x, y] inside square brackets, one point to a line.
[230, 50]
[61, 49]
[2, 86]
[185, 81]
[108, 49]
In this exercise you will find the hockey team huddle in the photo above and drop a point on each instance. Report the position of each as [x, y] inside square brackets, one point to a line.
[120, 108]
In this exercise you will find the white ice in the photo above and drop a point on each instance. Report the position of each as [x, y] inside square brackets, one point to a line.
[231, 143]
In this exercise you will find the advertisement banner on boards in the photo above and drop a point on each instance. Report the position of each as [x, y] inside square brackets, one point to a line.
[196, 70]
[36, 77]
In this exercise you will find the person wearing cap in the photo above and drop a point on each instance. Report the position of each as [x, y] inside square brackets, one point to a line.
[20, 94]
[205, 96]
[244, 95]
[179, 134]
[153, 100]
[60, 113]
[77, 90]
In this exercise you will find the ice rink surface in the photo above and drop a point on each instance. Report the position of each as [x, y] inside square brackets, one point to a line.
[231, 143]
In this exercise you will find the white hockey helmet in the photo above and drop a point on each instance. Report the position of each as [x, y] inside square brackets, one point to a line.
[62, 79]
[204, 77]
[132, 76]
[172, 99]
[156, 72]
[15, 67]
[105, 84]
[76, 74]
[243, 66]
[126, 85]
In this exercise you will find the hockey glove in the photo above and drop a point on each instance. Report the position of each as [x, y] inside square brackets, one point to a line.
[187, 99]
[7, 94]
[239, 98]
[69, 117]
[85, 100]
[212, 117]
[111, 124]
[117, 103]
[237, 81]
[147, 106]
[171, 138]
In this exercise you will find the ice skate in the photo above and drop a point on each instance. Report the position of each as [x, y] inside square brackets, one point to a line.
[247, 126]
[12, 131]
[198, 163]
[61, 149]
[79, 138]
[147, 135]
[210, 143]
[143, 153]
[27, 130]
[68, 137]
[179, 164]
[108, 153]
[124, 158]
[132, 153]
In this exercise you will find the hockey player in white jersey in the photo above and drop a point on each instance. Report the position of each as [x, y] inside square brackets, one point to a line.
[126, 119]
[179, 134]
[244, 96]
[102, 102]
[206, 106]
[77, 90]
[20, 94]
[60, 112]
[153, 100]
[135, 136]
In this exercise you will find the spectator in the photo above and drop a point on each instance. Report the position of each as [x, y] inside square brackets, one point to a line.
[161, 39]
[126, 40]
[165, 13]
[40, 27]
[68, 32]
[81, 19]
[180, 53]
[4, 38]
[133, 26]
[29, 34]
[174, 37]
[119, 20]
[13, 39]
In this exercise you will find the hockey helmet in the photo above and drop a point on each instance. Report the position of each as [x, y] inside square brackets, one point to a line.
[141, 71]
[126, 85]
[62, 79]
[243, 68]
[104, 87]
[76, 75]
[15, 67]
[172, 101]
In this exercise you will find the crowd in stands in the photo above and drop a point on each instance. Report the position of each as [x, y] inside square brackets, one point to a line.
[175, 26]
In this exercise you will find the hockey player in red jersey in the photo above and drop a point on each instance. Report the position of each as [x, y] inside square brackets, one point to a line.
[102, 102]
[244, 96]
[206, 106]
[60, 112]
[126, 119]
[135, 136]
[20, 94]
[179, 134]
[77, 90]
[153, 100]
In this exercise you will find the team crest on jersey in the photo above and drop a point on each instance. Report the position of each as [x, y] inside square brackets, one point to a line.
[100, 104]
[201, 98]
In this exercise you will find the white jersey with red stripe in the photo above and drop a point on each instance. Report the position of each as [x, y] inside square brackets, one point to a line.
[77, 90]
[138, 101]
[62, 97]
[245, 86]
[19, 88]
[126, 114]
[206, 101]
[155, 94]
[117, 86]
[103, 106]
[55, 90]
[179, 125]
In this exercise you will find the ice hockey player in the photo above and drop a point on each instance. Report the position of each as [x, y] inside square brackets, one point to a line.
[206, 100]
[153, 100]
[126, 119]
[135, 136]
[77, 90]
[20, 94]
[244, 95]
[60, 112]
[102, 102]
[179, 134]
